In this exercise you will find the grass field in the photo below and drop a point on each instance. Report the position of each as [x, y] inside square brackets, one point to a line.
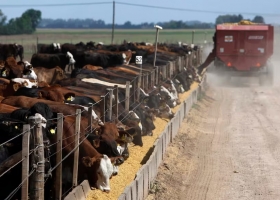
[48, 36]
[104, 35]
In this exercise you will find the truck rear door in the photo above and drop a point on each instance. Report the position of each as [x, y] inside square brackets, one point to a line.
[227, 42]
[255, 43]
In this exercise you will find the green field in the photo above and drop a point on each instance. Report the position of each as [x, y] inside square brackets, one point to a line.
[104, 35]
[48, 36]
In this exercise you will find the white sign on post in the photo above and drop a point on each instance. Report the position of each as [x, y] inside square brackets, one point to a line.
[138, 60]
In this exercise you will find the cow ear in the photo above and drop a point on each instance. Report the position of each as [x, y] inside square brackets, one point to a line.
[87, 161]
[96, 143]
[15, 86]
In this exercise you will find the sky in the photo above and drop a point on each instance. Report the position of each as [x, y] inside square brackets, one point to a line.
[203, 10]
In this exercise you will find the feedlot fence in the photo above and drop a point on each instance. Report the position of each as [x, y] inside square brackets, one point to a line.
[32, 158]
[140, 186]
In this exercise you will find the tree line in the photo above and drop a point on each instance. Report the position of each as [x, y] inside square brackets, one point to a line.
[25, 24]
[31, 19]
[100, 24]
[237, 18]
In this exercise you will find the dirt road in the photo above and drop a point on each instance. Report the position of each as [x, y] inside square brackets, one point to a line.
[228, 148]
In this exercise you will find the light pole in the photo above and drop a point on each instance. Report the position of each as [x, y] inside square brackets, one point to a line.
[157, 27]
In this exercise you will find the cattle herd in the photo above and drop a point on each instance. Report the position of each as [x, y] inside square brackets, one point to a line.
[61, 78]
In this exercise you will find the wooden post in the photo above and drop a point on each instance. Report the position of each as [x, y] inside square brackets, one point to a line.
[164, 72]
[25, 162]
[180, 65]
[90, 110]
[134, 87]
[110, 103]
[103, 108]
[157, 75]
[37, 178]
[58, 172]
[76, 152]
[138, 86]
[127, 95]
[147, 82]
[153, 77]
[116, 102]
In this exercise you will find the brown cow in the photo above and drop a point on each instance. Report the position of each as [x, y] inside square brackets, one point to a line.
[97, 168]
[50, 76]
[12, 69]
[9, 89]
[4, 108]
[91, 67]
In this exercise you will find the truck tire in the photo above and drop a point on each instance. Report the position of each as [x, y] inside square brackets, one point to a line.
[266, 78]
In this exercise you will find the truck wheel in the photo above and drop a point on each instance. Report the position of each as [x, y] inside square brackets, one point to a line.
[266, 78]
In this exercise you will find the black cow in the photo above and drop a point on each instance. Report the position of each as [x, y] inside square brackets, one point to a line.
[50, 60]
[7, 50]
[98, 59]
[80, 100]
[20, 52]
[11, 125]
[28, 92]
[49, 48]
[146, 120]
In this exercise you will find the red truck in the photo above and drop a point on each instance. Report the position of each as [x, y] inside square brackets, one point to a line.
[242, 49]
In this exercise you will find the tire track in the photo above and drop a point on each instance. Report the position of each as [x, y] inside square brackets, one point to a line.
[227, 149]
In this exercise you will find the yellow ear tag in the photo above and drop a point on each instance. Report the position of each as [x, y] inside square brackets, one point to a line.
[69, 99]
[52, 131]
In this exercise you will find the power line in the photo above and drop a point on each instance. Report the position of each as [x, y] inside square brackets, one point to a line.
[54, 5]
[192, 10]
[136, 5]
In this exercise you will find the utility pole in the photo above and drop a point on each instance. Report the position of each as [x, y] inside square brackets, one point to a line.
[113, 23]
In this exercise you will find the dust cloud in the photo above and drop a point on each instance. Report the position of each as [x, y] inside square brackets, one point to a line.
[221, 80]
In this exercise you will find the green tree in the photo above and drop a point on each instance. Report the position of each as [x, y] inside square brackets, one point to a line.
[228, 19]
[3, 18]
[34, 16]
[258, 19]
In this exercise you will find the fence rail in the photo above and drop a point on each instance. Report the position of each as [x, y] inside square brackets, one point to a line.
[32, 154]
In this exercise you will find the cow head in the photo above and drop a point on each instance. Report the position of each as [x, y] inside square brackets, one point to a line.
[179, 86]
[168, 96]
[54, 46]
[71, 58]
[99, 171]
[59, 74]
[146, 120]
[165, 111]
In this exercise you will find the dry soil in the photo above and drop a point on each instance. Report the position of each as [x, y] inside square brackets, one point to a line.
[227, 149]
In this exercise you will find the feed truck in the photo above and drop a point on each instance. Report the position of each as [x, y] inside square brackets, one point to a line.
[242, 49]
